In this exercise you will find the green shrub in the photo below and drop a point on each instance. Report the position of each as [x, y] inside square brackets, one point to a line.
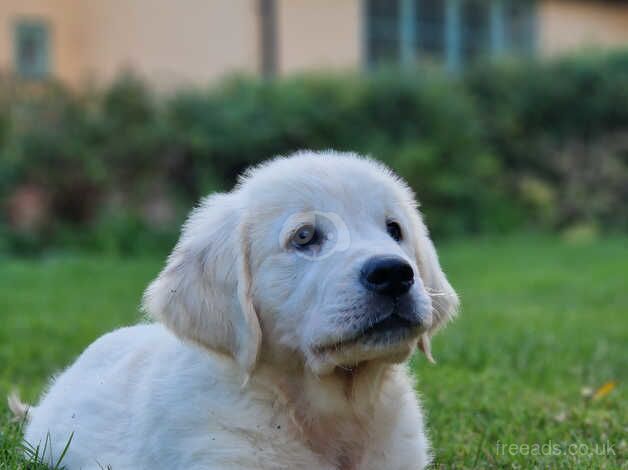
[561, 131]
[423, 126]
[503, 147]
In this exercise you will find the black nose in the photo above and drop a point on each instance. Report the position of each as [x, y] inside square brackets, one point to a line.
[387, 275]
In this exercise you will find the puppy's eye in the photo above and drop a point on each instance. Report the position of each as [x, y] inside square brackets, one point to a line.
[394, 230]
[304, 237]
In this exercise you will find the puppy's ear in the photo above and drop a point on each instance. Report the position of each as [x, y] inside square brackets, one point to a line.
[203, 293]
[444, 299]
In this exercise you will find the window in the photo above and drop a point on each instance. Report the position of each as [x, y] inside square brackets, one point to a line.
[456, 32]
[475, 34]
[31, 49]
[520, 25]
[430, 21]
[383, 31]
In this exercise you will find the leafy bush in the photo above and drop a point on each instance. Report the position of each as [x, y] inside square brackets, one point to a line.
[424, 127]
[561, 131]
[503, 147]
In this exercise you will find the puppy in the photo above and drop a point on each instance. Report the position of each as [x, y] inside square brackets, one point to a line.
[285, 314]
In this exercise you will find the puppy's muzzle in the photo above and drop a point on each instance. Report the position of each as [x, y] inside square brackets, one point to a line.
[389, 276]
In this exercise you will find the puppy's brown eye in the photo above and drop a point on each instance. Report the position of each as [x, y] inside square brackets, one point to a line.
[394, 230]
[305, 236]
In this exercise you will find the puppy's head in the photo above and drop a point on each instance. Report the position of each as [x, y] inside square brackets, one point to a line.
[326, 254]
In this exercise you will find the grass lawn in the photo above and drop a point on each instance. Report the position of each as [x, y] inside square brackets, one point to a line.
[542, 322]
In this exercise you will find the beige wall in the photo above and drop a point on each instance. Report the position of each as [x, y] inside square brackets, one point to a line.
[567, 25]
[318, 34]
[196, 41]
[171, 42]
[64, 21]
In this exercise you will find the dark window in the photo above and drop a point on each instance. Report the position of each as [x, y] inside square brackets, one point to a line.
[475, 37]
[32, 49]
[430, 23]
[519, 22]
[382, 31]
[454, 31]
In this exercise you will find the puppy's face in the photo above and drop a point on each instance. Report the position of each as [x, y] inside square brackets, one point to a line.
[322, 259]
[338, 282]
[335, 265]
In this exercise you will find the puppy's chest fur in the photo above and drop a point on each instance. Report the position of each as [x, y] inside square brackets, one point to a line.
[343, 441]
[336, 418]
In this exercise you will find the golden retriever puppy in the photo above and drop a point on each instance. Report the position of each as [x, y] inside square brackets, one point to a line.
[284, 316]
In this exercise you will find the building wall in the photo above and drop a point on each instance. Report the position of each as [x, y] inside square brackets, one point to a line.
[314, 34]
[171, 43]
[196, 41]
[565, 25]
[63, 18]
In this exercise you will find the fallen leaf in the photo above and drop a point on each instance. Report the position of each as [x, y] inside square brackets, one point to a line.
[604, 390]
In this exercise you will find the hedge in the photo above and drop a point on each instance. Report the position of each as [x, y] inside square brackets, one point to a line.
[504, 147]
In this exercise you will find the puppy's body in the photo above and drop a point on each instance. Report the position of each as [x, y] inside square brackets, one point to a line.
[289, 306]
[140, 398]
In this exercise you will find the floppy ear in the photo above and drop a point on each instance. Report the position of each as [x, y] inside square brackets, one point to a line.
[203, 293]
[444, 299]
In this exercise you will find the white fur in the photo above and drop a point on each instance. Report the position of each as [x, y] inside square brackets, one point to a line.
[19, 409]
[259, 373]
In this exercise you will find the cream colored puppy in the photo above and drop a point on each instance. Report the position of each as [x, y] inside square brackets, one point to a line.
[286, 312]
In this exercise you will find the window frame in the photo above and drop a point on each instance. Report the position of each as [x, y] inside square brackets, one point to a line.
[501, 39]
[39, 30]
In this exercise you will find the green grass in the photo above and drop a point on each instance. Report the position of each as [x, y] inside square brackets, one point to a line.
[541, 321]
